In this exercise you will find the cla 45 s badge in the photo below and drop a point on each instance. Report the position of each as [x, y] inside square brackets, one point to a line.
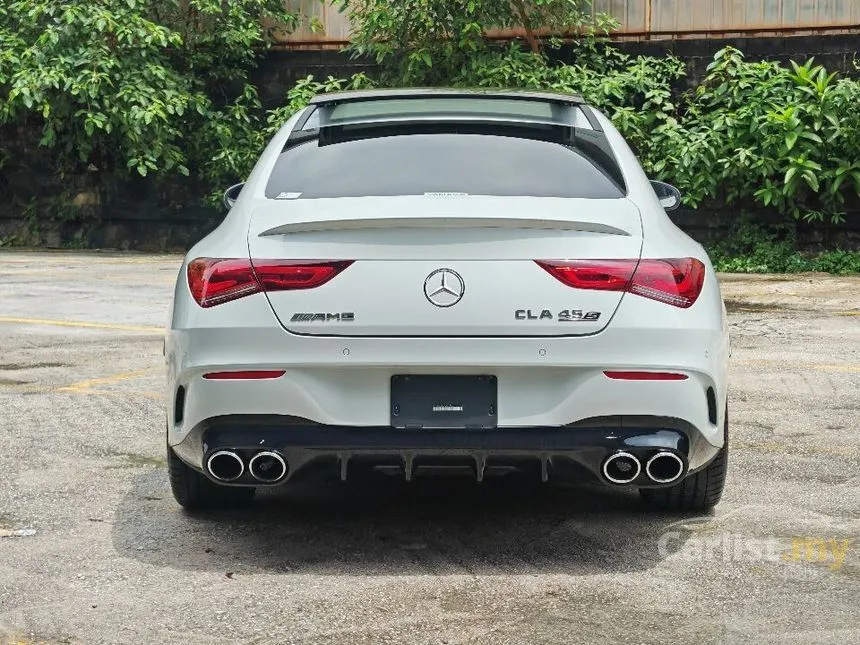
[565, 315]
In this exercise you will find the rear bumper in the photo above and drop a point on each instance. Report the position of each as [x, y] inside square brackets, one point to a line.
[528, 396]
[542, 382]
[577, 451]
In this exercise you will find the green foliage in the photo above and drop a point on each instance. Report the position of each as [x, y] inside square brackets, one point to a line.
[434, 42]
[754, 135]
[160, 87]
[9, 241]
[756, 249]
[129, 85]
[307, 88]
[761, 133]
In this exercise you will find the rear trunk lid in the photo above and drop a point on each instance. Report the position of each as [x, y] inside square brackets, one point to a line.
[444, 265]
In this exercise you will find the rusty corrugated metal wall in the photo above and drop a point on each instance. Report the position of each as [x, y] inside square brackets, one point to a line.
[323, 26]
[644, 19]
[747, 15]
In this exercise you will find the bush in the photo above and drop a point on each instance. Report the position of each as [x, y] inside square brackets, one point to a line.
[757, 249]
[140, 86]
[159, 87]
[765, 135]
[438, 42]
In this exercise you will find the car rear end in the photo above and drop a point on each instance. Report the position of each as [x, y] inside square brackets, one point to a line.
[422, 284]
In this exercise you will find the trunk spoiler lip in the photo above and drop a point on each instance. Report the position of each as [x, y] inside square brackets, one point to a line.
[390, 222]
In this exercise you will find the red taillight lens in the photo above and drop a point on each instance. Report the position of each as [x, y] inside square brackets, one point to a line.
[214, 281]
[277, 275]
[676, 281]
[247, 375]
[645, 376]
[603, 275]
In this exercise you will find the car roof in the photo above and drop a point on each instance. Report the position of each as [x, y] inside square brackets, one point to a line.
[444, 92]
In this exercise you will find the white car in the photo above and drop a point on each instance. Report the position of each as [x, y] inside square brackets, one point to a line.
[433, 280]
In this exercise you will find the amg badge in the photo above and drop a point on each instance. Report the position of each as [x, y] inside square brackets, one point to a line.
[565, 315]
[343, 317]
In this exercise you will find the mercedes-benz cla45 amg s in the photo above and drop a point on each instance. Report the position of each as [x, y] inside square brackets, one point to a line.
[416, 281]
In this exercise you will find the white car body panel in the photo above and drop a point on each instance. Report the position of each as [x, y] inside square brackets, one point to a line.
[381, 287]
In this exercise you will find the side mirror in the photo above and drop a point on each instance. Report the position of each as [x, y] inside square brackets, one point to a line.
[232, 194]
[669, 196]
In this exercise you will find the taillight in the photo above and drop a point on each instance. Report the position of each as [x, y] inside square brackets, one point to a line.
[676, 281]
[277, 275]
[214, 281]
[603, 275]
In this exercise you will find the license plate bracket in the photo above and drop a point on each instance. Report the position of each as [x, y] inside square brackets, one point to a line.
[444, 401]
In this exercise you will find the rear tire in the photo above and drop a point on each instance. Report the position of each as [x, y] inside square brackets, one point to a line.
[698, 492]
[194, 491]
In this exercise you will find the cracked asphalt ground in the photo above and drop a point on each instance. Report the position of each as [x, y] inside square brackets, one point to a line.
[94, 549]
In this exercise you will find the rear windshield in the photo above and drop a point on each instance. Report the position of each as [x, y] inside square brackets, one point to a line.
[416, 164]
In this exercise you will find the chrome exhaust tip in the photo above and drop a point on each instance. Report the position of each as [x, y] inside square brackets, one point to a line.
[268, 467]
[621, 468]
[225, 465]
[664, 467]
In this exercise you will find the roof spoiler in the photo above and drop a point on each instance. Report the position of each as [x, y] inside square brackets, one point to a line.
[443, 93]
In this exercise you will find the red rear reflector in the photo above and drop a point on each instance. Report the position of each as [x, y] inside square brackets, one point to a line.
[675, 281]
[646, 376]
[246, 375]
[214, 281]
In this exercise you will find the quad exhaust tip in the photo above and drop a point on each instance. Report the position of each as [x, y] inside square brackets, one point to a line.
[225, 465]
[622, 468]
[268, 467]
[664, 467]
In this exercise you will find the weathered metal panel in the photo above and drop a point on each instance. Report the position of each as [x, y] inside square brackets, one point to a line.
[749, 15]
[637, 15]
[335, 26]
[630, 13]
[637, 18]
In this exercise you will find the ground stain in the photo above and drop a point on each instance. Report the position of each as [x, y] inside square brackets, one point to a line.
[135, 460]
[10, 527]
[735, 306]
[9, 367]
[798, 450]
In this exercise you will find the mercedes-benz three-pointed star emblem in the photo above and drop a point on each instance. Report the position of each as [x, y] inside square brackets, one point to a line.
[444, 287]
